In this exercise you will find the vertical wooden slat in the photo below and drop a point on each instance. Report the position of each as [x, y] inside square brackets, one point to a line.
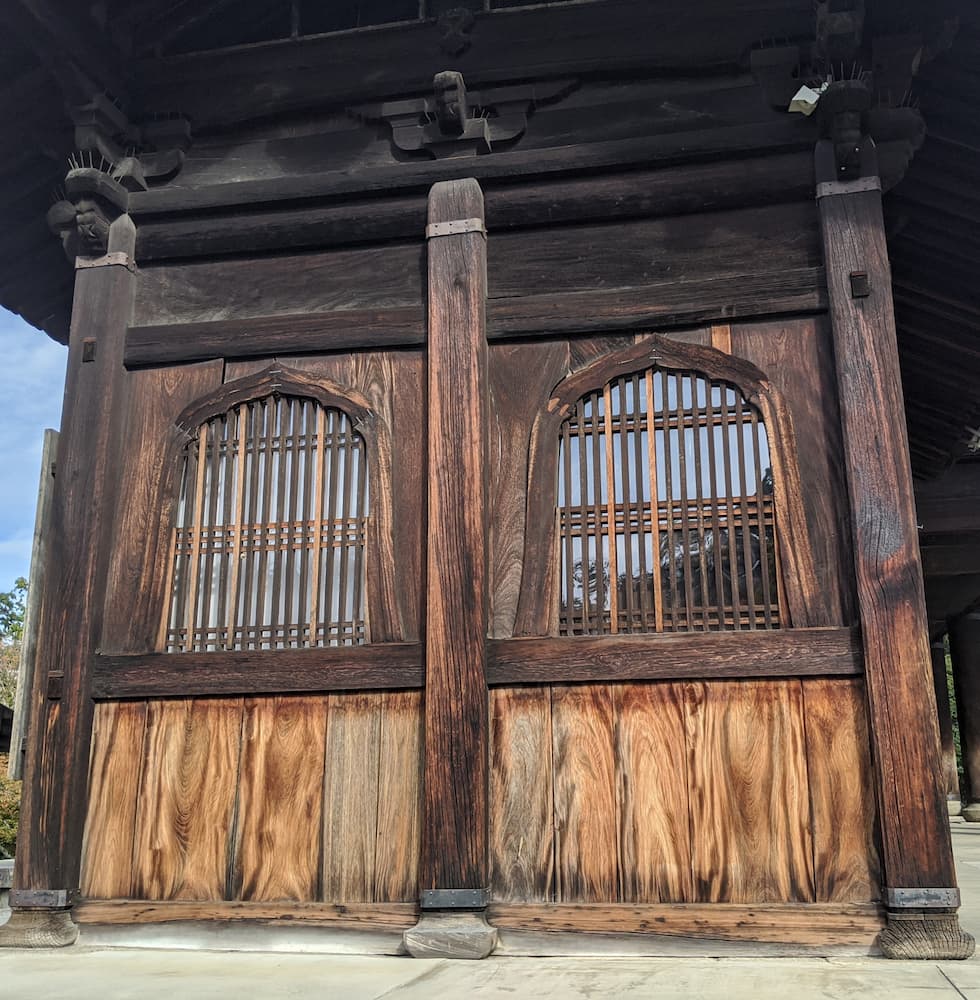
[624, 481]
[669, 500]
[686, 568]
[591, 620]
[651, 422]
[767, 602]
[316, 532]
[522, 828]
[396, 876]
[198, 520]
[236, 528]
[744, 520]
[342, 539]
[251, 515]
[281, 799]
[732, 536]
[107, 849]
[585, 793]
[713, 422]
[350, 797]
[455, 818]
[184, 819]
[611, 534]
[641, 424]
[699, 500]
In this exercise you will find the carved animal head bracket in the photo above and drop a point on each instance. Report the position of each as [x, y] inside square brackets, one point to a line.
[455, 121]
[139, 154]
[847, 151]
[93, 201]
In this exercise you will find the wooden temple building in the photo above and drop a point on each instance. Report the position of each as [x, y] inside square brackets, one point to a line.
[485, 504]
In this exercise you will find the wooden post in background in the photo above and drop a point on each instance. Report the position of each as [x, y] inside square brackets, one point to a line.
[964, 648]
[951, 778]
[454, 876]
[920, 881]
[46, 872]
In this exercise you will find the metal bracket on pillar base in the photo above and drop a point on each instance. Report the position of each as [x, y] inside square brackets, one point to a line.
[451, 934]
[39, 918]
[927, 934]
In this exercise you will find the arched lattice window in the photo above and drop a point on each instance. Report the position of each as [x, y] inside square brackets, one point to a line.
[665, 509]
[271, 522]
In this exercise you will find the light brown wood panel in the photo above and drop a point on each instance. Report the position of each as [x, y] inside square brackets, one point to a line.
[797, 356]
[350, 797]
[750, 811]
[139, 567]
[846, 862]
[186, 810]
[586, 808]
[281, 799]
[655, 839]
[521, 379]
[114, 776]
[396, 877]
[522, 825]
[297, 283]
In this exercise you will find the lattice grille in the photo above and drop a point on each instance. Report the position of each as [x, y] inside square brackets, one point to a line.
[271, 523]
[665, 510]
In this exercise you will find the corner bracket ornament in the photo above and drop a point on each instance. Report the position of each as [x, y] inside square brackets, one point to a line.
[93, 200]
[846, 152]
[455, 121]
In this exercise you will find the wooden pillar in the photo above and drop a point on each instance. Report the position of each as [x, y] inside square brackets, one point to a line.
[453, 872]
[951, 778]
[964, 648]
[46, 873]
[920, 881]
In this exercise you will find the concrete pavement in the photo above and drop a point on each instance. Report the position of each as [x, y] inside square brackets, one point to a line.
[84, 973]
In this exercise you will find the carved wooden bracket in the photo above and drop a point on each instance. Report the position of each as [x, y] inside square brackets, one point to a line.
[93, 201]
[455, 121]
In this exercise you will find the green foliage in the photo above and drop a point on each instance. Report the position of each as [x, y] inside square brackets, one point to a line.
[9, 810]
[12, 605]
[9, 663]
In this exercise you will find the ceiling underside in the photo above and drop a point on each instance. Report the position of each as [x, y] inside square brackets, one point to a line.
[933, 216]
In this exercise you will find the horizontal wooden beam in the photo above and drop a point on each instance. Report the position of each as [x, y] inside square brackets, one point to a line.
[682, 656]
[806, 652]
[663, 305]
[266, 671]
[953, 559]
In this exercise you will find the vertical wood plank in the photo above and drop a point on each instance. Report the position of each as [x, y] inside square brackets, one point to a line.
[107, 849]
[587, 836]
[186, 808]
[940, 682]
[894, 627]
[396, 877]
[52, 812]
[454, 825]
[655, 836]
[522, 829]
[842, 796]
[964, 642]
[281, 799]
[350, 797]
[750, 812]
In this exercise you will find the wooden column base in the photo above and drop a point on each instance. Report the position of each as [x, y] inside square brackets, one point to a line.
[931, 936]
[971, 813]
[38, 929]
[450, 934]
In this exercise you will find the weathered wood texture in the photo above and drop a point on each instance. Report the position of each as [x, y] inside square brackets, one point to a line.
[904, 727]
[387, 666]
[940, 682]
[717, 792]
[258, 799]
[455, 786]
[797, 356]
[56, 769]
[964, 640]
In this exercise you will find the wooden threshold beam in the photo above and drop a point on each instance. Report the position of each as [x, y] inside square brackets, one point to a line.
[663, 305]
[811, 652]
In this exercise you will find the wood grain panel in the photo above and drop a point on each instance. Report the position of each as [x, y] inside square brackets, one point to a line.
[350, 797]
[186, 811]
[586, 807]
[522, 827]
[396, 877]
[114, 776]
[797, 355]
[842, 797]
[281, 799]
[652, 781]
[521, 379]
[297, 283]
[750, 815]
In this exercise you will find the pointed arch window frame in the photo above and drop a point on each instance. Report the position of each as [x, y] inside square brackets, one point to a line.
[280, 381]
[538, 603]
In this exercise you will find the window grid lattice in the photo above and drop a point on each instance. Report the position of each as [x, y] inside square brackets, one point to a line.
[676, 469]
[270, 536]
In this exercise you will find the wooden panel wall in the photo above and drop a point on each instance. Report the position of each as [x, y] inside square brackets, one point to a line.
[258, 799]
[728, 792]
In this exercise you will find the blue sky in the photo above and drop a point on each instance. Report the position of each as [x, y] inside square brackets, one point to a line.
[31, 383]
